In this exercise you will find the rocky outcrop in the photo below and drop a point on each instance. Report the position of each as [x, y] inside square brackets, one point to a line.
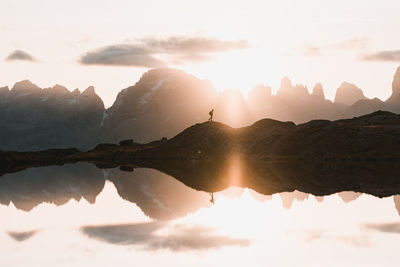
[348, 94]
[395, 97]
[365, 106]
[318, 92]
[286, 88]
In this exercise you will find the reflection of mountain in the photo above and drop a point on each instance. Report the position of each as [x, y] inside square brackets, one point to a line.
[162, 197]
[288, 198]
[270, 177]
[396, 200]
[29, 188]
[156, 194]
[162, 103]
[348, 196]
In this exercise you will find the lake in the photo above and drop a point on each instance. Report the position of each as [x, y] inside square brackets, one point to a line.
[79, 215]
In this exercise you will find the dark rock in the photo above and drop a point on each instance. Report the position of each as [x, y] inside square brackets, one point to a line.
[128, 142]
[126, 168]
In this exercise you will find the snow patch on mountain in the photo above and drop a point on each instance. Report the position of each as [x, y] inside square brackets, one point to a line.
[145, 97]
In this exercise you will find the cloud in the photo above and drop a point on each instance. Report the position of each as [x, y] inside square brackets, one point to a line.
[180, 237]
[145, 52]
[194, 46]
[385, 55]
[122, 55]
[357, 43]
[21, 236]
[385, 227]
[310, 51]
[20, 55]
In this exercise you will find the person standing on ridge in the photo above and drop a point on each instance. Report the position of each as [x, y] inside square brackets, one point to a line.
[211, 113]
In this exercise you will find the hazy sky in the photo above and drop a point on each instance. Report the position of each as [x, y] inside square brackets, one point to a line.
[235, 44]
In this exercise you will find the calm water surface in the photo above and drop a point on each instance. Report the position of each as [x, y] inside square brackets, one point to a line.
[78, 215]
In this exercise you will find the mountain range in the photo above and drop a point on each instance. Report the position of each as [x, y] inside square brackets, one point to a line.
[161, 104]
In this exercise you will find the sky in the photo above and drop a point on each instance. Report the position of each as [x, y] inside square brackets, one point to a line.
[234, 44]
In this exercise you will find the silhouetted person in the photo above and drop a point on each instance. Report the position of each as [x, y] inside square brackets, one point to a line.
[212, 198]
[211, 113]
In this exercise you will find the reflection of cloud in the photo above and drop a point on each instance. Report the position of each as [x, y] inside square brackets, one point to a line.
[385, 227]
[21, 236]
[143, 52]
[355, 240]
[20, 55]
[385, 55]
[180, 237]
[311, 235]
[318, 234]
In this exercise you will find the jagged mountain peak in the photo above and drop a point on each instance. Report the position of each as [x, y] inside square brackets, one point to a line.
[300, 89]
[396, 81]
[395, 97]
[259, 92]
[60, 89]
[288, 91]
[286, 87]
[348, 94]
[318, 91]
[89, 91]
[4, 89]
[25, 85]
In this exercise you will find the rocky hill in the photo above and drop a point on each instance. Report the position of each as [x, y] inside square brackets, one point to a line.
[372, 136]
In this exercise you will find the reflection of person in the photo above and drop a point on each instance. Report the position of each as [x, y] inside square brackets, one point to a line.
[212, 198]
[211, 113]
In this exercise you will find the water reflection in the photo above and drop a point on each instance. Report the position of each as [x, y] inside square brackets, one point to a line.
[179, 237]
[158, 195]
[76, 215]
[22, 236]
[55, 184]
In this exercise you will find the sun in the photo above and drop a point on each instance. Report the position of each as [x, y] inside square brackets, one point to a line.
[241, 217]
[241, 69]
